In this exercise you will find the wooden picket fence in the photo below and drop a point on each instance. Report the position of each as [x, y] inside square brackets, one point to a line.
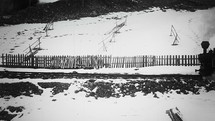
[98, 61]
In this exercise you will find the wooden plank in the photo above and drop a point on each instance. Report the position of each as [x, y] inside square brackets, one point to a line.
[56, 62]
[127, 62]
[137, 62]
[154, 60]
[146, 61]
[84, 61]
[110, 61]
[67, 62]
[63, 62]
[193, 59]
[71, 60]
[182, 60]
[163, 60]
[117, 59]
[170, 60]
[14, 60]
[11, 60]
[60, 62]
[121, 62]
[130, 62]
[194, 62]
[8, 60]
[2, 57]
[100, 61]
[167, 60]
[105, 61]
[158, 60]
[189, 60]
[118, 62]
[113, 61]
[49, 62]
[185, 60]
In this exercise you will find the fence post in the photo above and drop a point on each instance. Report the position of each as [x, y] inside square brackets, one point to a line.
[173, 60]
[2, 59]
[6, 59]
[182, 60]
[167, 58]
[185, 58]
[146, 61]
[32, 61]
[15, 60]
[158, 60]
[194, 60]
[12, 60]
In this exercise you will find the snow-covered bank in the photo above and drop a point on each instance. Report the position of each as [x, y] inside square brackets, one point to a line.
[154, 70]
[70, 105]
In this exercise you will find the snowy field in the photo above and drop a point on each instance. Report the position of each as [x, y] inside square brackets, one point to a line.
[145, 33]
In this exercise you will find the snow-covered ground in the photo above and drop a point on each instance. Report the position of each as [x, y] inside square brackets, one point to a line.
[145, 33]
[154, 70]
[69, 105]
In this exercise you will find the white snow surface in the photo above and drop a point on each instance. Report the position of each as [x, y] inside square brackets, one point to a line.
[145, 33]
[77, 107]
[47, 1]
[153, 70]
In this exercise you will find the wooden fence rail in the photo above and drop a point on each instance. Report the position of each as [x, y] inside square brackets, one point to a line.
[98, 61]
